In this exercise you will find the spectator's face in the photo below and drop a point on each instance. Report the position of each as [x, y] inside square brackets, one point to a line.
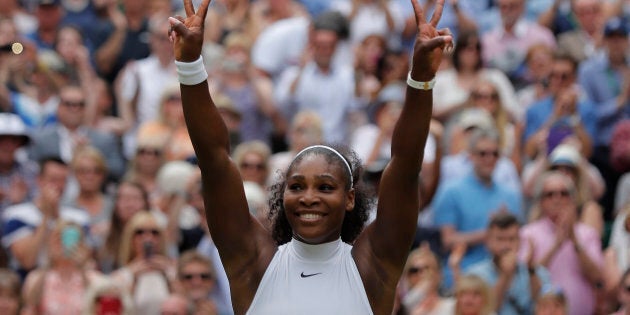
[71, 110]
[511, 11]
[8, 146]
[149, 159]
[484, 157]
[146, 233]
[486, 97]
[69, 42]
[550, 306]
[617, 47]
[324, 45]
[304, 133]
[556, 201]
[562, 75]
[501, 241]
[422, 269]
[89, 174]
[469, 55]
[197, 280]
[589, 14]
[253, 168]
[470, 302]
[129, 201]
[173, 111]
[53, 175]
[48, 16]
[539, 63]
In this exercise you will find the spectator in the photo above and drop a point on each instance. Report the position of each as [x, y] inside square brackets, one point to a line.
[27, 225]
[468, 68]
[130, 199]
[72, 133]
[551, 303]
[60, 287]
[565, 111]
[90, 171]
[473, 297]
[623, 294]
[176, 304]
[146, 272]
[227, 17]
[299, 87]
[539, 59]
[74, 55]
[267, 12]
[505, 46]
[197, 281]
[146, 163]
[368, 58]
[588, 181]
[169, 125]
[13, 10]
[17, 176]
[118, 38]
[420, 284]
[617, 255]
[250, 93]
[585, 41]
[105, 297]
[462, 208]
[49, 14]
[516, 284]
[252, 159]
[570, 250]
[10, 291]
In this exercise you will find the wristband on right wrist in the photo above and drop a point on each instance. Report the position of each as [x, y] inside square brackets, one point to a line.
[191, 73]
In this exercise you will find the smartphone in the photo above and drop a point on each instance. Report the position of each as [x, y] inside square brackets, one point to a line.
[148, 249]
[70, 238]
[109, 305]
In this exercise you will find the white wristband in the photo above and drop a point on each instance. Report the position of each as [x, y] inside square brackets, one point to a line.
[191, 73]
[419, 85]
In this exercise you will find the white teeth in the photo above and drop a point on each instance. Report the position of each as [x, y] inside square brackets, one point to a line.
[310, 216]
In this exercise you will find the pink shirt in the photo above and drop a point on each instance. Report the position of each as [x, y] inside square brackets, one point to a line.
[564, 266]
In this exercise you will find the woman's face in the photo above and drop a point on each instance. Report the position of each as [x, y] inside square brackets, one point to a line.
[69, 41]
[422, 269]
[470, 55]
[371, 52]
[316, 199]
[253, 168]
[149, 160]
[486, 97]
[146, 239]
[197, 280]
[470, 302]
[173, 110]
[556, 201]
[89, 174]
[129, 201]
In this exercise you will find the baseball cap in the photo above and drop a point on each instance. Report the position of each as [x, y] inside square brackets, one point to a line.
[475, 118]
[565, 154]
[616, 26]
[12, 125]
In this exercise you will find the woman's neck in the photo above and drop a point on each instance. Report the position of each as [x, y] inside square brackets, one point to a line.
[92, 201]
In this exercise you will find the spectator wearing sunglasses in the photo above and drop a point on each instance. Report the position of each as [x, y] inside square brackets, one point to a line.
[571, 250]
[463, 207]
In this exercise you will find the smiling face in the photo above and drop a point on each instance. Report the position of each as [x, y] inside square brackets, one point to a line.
[316, 198]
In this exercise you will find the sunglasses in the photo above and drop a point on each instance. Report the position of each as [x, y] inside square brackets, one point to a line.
[563, 76]
[484, 153]
[485, 96]
[257, 166]
[74, 104]
[202, 276]
[146, 151]
[153, 232]
[416, 269]
[555, 193]
[89, 170]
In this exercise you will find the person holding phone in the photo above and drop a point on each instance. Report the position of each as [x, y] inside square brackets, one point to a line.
[319, 258]
[60, 288]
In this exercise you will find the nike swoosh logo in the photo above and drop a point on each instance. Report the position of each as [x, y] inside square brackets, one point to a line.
[309, 275]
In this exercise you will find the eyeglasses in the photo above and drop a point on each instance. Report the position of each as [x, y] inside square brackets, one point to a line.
[257, 166]
[487, 96]
[555, 193]
[147, 151]
[416, 270]
[73, 104]
[202, 276]
[153, 232]
[485, 153]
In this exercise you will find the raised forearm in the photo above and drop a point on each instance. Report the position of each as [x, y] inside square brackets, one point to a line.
[107, 54]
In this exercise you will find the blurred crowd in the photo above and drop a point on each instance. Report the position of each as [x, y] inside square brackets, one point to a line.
[525, 181]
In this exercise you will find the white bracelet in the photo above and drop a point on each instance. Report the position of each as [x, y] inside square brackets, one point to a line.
[419, 85]
[191, 73]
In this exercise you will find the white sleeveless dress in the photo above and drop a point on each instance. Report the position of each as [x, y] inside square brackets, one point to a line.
[311, 279]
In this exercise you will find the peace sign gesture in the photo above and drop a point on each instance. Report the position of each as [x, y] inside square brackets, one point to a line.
[186, 34]
[430, 43]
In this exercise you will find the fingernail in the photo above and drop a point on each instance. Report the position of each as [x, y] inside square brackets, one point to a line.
[173, 20]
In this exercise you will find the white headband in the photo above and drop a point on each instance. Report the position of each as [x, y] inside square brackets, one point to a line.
[333, 151]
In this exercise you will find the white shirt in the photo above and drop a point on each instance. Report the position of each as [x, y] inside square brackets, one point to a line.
[311, 279]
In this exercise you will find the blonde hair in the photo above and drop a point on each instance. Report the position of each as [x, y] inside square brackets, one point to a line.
[254, 146]
[475, 283]
[91, 153]
[141, 218]
[500, 117]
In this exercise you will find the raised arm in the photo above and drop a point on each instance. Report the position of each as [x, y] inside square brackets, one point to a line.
[237, 235]
[389, 237]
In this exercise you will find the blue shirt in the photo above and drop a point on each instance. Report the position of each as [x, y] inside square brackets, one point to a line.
[538, 114]
[467, 205]
[518, 296]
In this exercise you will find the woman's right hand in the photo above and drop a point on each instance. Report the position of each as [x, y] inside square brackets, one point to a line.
[186, 34]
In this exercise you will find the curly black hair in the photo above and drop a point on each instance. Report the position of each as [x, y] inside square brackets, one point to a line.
[354, 220]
